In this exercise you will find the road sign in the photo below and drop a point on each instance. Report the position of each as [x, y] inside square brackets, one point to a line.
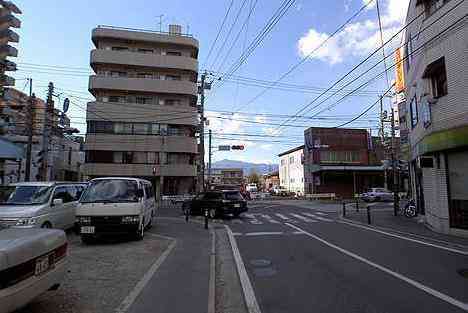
[224, 148]
[238, 147]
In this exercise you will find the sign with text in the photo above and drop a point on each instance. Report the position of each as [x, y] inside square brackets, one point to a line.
[224, 148]
[399, 71]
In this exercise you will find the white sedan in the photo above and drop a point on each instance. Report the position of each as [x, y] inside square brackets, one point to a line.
[377, 194]
[32, 261]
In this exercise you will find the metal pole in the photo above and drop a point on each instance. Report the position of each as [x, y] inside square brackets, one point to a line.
[202, 134]
[48, 121]
[357, 204]
[209, 156]
[382, 135]
[394, 168]
[344, 209]
[27, 173]
[368, 215]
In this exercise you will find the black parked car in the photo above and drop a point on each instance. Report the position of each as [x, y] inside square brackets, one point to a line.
[218, 203]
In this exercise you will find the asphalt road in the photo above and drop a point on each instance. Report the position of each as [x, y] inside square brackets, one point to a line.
[306, 260]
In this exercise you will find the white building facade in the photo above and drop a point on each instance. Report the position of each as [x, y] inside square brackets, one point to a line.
[291, 170]
[436, 112]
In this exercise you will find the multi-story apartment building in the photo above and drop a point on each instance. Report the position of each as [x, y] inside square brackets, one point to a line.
[291, 170]
[436, 112]
[340, 161]
[144, 119]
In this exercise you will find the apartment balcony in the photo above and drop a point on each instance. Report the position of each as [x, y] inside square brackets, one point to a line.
[98, 82]
[142, 170]
[120, 33]
[111, 142]
[142, 113]
[150, 60]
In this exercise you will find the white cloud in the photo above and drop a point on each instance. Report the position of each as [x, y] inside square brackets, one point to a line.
[346, 5]
[357, 39]
[267, 146]
[260, 119]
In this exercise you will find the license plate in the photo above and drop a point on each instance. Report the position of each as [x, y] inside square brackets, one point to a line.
[43, 264]
[237, 205]
[87, 229]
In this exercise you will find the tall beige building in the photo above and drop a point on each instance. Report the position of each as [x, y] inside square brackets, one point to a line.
[143, 122]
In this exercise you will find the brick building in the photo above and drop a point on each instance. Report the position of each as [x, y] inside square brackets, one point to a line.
[340, 161]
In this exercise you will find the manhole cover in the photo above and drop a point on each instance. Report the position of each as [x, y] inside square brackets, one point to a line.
[264, 272]
[260, 263]
[463, 272]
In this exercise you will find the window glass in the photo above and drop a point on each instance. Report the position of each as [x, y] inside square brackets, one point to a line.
[142, 50]
[141, 128]
[140, 157]
[213, 196]
[118, 157]
[63, 193]
[24, 194]
[120, 48]
[155, 129]
[111, 190]
[176, 53]
[73, 192]
[127, 157]
[153, 157]
[414, 112]
[235, 195]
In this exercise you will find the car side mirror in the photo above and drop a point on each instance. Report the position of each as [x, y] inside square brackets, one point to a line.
[140, 193]
[57, 201]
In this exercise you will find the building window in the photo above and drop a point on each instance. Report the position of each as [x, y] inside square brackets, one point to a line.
[116, 99]
[141, 129]
[143, 100]
[118, 74]
[120, 48]
[414, 112]
[431, 6]
[437, 75]
[142, 50]
[176, 53]
[144, 75]
[291, 160]
[172, 101]
[173, 77]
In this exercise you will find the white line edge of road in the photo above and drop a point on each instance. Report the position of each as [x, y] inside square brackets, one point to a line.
[407, 238]
[212, 280]
[249, 295]
[433, 292]
[131, 297]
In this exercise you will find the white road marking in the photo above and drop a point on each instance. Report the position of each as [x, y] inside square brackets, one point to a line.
[253, 219]
[320, 213]
[407, 238]
[237, 222]
[414, 283]
[237, 234]
[249, 295]
[131, 297]
[283, 217]
[265, 233]
[269, 219]
[317, 217]
[212, 280]
[303, 218]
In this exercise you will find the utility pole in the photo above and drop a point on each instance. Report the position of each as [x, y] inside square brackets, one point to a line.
[382, 137]
[201, 147]
[209, 156]
[48, 121]
[160, 22]
[30, 126]
[396, 203]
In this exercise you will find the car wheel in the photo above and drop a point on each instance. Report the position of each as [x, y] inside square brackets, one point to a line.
[46, 225]
[87, 239]
[141, 232]
[212, 213]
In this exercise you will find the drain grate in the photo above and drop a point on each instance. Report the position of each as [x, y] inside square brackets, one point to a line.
[463, 272]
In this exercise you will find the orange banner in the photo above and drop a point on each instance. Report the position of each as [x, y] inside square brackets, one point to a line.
[399, 71]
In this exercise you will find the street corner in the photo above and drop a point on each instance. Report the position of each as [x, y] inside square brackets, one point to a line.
[100, 275]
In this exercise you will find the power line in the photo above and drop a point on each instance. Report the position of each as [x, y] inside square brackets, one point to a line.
[304, 59]
[219, 32]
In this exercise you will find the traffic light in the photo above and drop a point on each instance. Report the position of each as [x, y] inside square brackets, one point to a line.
[238, 147]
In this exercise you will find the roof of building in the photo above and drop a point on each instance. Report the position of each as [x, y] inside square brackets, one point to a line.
[291, 151]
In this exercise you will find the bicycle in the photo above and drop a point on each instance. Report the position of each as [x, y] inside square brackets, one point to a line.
[410, 209]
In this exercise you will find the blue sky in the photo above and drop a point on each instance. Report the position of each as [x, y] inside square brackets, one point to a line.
[58, 33]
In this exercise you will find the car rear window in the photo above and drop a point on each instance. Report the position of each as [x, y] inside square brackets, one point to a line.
[233, 196]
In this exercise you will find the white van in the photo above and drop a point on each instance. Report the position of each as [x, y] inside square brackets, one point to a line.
[39, 204]
[116, 205]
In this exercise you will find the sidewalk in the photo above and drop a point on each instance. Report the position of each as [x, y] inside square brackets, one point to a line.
[382, 218]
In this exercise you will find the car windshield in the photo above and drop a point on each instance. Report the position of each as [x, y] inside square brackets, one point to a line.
[111, 190]
[233, 196]
[24, 195]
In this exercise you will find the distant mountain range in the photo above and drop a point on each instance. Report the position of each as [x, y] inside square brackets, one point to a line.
[260, 168]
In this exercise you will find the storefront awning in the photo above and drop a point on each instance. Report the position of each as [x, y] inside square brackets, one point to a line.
[10, 151]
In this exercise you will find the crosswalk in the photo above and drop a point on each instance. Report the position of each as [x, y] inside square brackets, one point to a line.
[277, 218]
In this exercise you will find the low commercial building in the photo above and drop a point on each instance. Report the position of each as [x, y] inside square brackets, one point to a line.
[435, 114]
[291, 170]
[340, 161]
[271, 180]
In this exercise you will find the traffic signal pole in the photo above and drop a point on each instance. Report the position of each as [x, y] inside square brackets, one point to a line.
[201, 147]
[396, 204]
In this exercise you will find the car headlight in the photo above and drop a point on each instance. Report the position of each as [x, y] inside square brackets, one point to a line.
[130, 219]
[83, 219]
[26, 221]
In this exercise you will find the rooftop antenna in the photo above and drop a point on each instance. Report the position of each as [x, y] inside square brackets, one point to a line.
[160, 22]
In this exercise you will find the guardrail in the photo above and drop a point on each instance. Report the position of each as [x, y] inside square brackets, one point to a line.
[319, 196]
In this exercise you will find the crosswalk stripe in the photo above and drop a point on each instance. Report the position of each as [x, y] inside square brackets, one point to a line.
[269, 218]
[283, 217]
[303, 218]
[318, 217]
[320, 213]
[253, 219]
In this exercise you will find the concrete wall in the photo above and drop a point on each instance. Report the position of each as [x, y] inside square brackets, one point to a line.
[292, 173]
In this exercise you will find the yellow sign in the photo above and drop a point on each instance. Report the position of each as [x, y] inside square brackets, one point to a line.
[399, 71]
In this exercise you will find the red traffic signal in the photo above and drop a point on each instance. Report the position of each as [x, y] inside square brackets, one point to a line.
[239, 147]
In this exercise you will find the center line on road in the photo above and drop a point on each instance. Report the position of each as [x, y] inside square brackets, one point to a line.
[414, 283]
[265, 233]
[305, 219]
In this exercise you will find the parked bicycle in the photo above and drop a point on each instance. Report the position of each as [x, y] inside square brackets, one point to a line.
[410, 209]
